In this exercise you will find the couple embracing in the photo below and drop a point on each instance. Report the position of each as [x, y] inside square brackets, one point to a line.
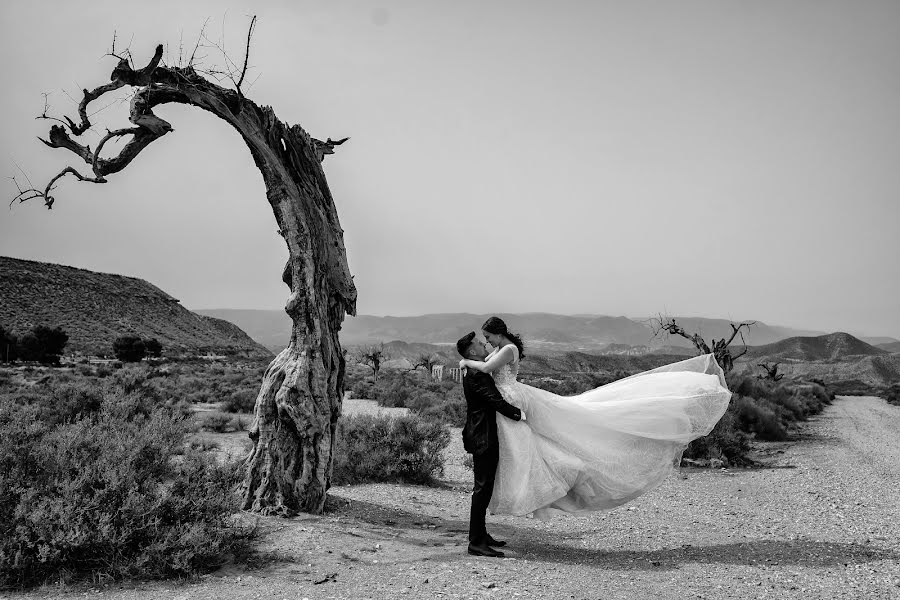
[538, 453]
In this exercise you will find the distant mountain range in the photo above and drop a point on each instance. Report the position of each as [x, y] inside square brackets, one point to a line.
[890, 346]
[403, 354]
[839, 359]
[587, 343]
[541, 331]
[96, 308]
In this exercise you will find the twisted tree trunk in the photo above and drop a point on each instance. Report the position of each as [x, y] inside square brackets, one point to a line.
[299, 402]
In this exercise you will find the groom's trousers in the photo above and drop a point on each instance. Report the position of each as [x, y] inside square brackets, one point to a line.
[485, 468]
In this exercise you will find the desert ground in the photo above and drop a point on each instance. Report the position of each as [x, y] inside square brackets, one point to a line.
[822, 520]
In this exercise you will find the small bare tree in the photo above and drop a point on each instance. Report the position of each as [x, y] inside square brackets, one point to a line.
[297, 409]
[772, 373]
[372, 356]
[720, 348]
[425, 361]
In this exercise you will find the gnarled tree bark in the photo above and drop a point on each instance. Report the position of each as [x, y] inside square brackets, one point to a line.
[299, 402]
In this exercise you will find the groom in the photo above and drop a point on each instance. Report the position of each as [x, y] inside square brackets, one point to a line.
[483, 402]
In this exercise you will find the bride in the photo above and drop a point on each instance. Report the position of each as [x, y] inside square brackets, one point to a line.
[599, 449]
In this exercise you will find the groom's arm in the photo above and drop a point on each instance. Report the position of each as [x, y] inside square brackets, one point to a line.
[484, 386]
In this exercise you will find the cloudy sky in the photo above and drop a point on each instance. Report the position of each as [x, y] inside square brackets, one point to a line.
[716, 158]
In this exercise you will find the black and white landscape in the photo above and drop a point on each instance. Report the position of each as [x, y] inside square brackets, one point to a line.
[228, 361]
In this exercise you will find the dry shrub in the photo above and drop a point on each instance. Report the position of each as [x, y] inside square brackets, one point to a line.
[372, 448]
[113, 494]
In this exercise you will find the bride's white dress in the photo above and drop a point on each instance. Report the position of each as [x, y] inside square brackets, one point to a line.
[604, 447]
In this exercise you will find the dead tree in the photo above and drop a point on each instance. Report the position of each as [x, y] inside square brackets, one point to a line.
[298, 405]
[426, 361]
[719, 349]
[772, 373]
[372, 357]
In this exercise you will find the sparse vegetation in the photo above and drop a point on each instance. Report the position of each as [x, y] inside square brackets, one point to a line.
[436, 400]
[760, 409]
[382, 448]
[892, 394]
[97, 480]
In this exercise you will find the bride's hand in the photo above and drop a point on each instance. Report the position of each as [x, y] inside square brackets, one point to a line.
[462, 364]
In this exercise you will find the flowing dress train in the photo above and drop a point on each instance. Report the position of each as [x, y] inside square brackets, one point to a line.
[604, 447]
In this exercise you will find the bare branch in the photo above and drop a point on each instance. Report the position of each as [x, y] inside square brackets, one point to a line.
[44, 115]
[737, 328]
[672, 328]
[197, 45]
[48, 199]
[247, 53]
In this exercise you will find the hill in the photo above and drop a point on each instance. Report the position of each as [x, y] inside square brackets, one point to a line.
[847, 363]
[890, 346]
[833, 346]
[542, 331]
[96, 308]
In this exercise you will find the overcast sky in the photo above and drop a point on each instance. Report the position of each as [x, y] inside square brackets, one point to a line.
[718, 158]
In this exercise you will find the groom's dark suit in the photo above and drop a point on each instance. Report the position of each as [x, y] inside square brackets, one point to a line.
[483, 402]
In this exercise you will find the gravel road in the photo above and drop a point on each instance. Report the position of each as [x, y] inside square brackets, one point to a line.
[822, 521]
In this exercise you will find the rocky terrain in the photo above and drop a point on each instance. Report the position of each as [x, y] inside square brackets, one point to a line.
[820, 522]
[96, 308]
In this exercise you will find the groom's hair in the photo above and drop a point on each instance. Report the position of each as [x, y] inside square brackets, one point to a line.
[463, 343]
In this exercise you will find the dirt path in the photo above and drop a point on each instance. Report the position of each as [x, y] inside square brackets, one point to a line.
[823, 522]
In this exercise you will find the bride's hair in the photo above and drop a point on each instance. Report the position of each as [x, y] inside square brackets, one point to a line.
[497, 326]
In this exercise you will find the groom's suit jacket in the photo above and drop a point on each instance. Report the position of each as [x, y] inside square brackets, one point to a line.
[483, 402]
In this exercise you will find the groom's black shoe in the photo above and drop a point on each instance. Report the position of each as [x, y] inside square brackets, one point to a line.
[483, 549]
[490, 541]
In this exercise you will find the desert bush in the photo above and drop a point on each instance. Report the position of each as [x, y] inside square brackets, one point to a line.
[760, 409]
[238, 423]
[451, 411]
[725, 442]
[104, 371]
[198, 396]
[892, 394]
[115, 494]
[57, 399]
[216, 421]
[181, 408]
[381, 448]
[362, 389]
[754, 417]
[84, 370]
[203, 444]
[242, 401]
